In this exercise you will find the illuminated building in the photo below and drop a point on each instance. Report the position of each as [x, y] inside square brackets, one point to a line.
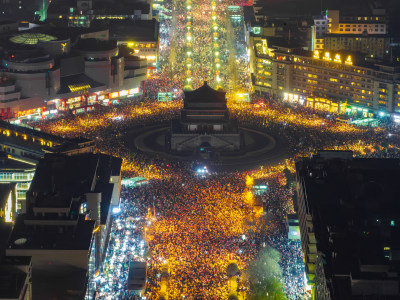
[332, 81]
[349, 225]
[205, 125]
[8, 195]
[375, 46]
[141, 36]
[42, 75]
[81, 13]
[28, 144]
[296, 30]
[68, 221]
[353, 27]
[19, 172]
[372, 24]
[22, 148]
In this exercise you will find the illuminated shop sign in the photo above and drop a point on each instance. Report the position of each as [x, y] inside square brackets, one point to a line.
[337, 58]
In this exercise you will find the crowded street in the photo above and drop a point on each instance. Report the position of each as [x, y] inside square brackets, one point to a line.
[195, 226]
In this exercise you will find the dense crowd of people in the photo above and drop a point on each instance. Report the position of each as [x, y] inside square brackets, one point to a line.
[194, 227]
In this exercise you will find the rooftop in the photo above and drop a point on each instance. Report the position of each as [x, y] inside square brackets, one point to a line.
[63, 284]
[32, 38]
[32, 132]
[10, 164]
[12, 281]
[63, 176]
[78, 82]
[74, 237]
[205, 94]
[354, 203]
[132, 30]
[59, 178]
[96, 45]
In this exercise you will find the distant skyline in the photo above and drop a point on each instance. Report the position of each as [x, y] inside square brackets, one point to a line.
[314, 7]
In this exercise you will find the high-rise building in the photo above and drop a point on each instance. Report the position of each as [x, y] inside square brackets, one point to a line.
[67, 225]
[337, 81]
[347, 209]
[350, 28]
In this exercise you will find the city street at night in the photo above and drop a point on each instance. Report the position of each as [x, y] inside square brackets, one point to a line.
[193, 220]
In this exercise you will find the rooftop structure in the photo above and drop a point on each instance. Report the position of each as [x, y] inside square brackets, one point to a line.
[67, 225]
[71, 69]
[32, 38]
[347, 209]
[205, 124]
[31, 144]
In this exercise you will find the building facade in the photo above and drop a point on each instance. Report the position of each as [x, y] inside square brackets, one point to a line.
[340, 82]
[348, 225]
[333, 23]
[19, 172]
[375, 46]
[42, 75]
[67, 224]
[82, 12]
[205, 125]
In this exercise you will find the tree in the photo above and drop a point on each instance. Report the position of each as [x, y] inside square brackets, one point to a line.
[264, 274]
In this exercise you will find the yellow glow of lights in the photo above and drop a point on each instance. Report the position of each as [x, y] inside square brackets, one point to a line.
[349, 61]
[8, 209]
[249, 181]
[79, 87]
[249, 198]
[316, 54]
[327, 56]
[338, 59]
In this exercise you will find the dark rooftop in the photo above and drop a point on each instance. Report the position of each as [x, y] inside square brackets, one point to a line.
[12, 281]
[73, 237]
[32, 132]
[354, 204]
[5, 22]
[9, 164]
[59, 178]
[64, 177]
[78, 80]
[96, 45]
[135, 30]
[204, 94]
